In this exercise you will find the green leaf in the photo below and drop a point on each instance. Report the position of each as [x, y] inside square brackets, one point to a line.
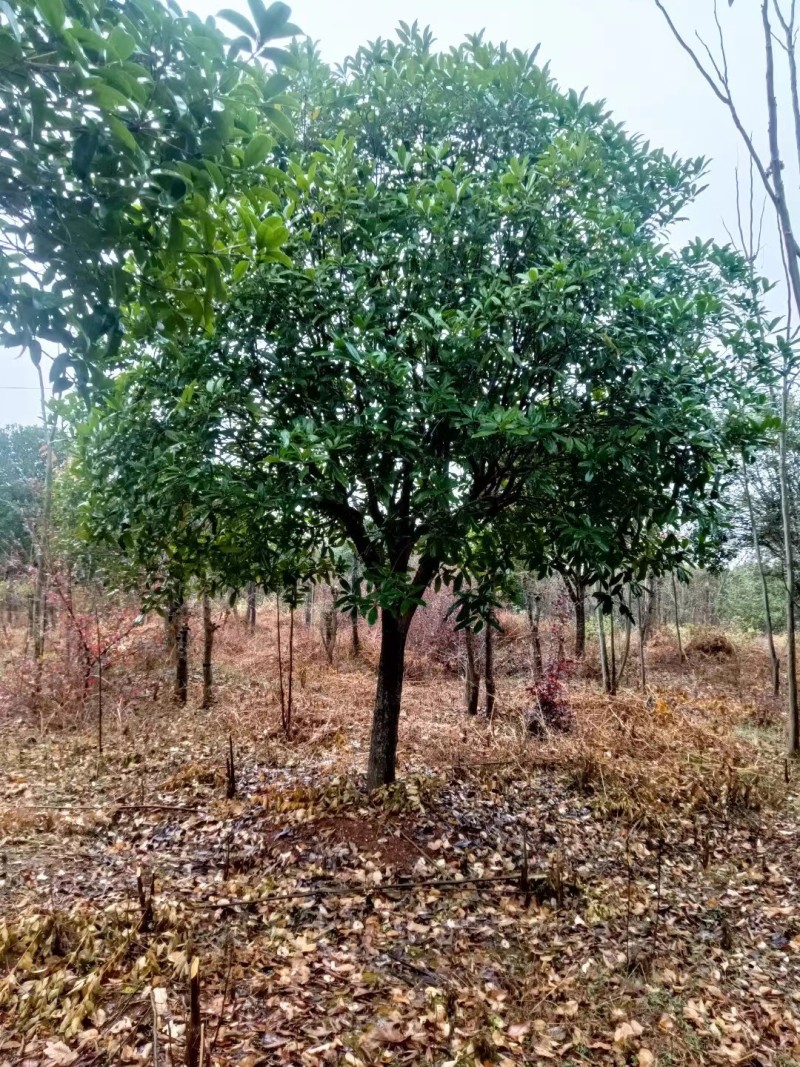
[121, 43]
[257, 149]
[52, 11]
[83, 152]
[109, 99]
[271, 20]
[280, 121]
[239, 21]
[120, 132]
[214, 286]
[271, 233]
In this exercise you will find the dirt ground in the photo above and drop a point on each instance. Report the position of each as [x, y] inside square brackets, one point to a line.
[624, 894]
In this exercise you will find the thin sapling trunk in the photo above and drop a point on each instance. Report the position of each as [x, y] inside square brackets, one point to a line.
[472, 680]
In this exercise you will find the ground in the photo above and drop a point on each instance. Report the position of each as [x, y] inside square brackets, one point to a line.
[659, 922]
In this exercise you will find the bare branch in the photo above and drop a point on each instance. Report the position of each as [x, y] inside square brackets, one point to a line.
[722, 91]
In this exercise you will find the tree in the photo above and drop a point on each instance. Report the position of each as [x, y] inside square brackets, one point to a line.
[22, 470]
[779, 27]
[473, 256]
[126, 127]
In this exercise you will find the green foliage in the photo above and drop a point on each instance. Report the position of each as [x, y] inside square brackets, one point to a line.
[126, 129]
[22, 466]
[480, 344]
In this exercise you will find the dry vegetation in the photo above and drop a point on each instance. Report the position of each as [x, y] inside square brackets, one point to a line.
[659, 921]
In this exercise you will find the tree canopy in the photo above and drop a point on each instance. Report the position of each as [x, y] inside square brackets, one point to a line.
[126, 127]
[476, 314]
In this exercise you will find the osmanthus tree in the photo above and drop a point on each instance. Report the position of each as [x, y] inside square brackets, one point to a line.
[127, 127]
[472, 252]
[148, 493]
[657, 448]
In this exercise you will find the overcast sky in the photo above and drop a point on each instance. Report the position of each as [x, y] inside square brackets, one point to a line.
[621, 50]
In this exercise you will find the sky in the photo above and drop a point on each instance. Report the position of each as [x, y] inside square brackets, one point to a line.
[620, 50]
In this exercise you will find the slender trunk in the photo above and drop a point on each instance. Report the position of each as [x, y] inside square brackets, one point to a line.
[280, 661]
[793, 723]
[388, 696]
[355, 642]
[309, 607]
[626, 648]
[99, 682]
[533, 603]
[182, 657]
[579, 601]
[39, 606]
[288, 727]
[601, 642]
[488, 668]
[642, 665]
[612, 667]
[773, 655]
[653, 608]
[355, 637]
[472, 679]
[251, 607]
[208, 646]
[677, 617]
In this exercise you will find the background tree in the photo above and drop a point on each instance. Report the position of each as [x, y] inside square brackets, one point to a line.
[22, 466]
[779, 29]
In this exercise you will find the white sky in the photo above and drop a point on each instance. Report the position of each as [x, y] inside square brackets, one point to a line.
[621, 50]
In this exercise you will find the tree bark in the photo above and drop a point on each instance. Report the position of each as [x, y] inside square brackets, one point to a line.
[612, 666]
[641, 624]
[355, 637]
[251, 607]
[388, 696]
[626, 648]
[289, 697]
[39, 615]
[472, 679]
[793, 718]
[579, 602]
[488, 668]
[533, 603]
[208, 646]
[280, 661]
[677, 617]
[601, 641]
[182, 657]
[773, 655]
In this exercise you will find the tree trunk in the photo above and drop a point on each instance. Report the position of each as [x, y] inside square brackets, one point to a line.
[42, 553]
[182, 657]
[355, 637]
[533, 603]
[309, 607]
[280, 661]
[472, 679]
[612, 666]
[793, 723]
[208, 646]
[388, 695]
[288, 726]
[677, 617]
[626, 648]
[251, 607]
[642, 665]
[488, 668]
[579, 602]
[601, 641]
[773, 655]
